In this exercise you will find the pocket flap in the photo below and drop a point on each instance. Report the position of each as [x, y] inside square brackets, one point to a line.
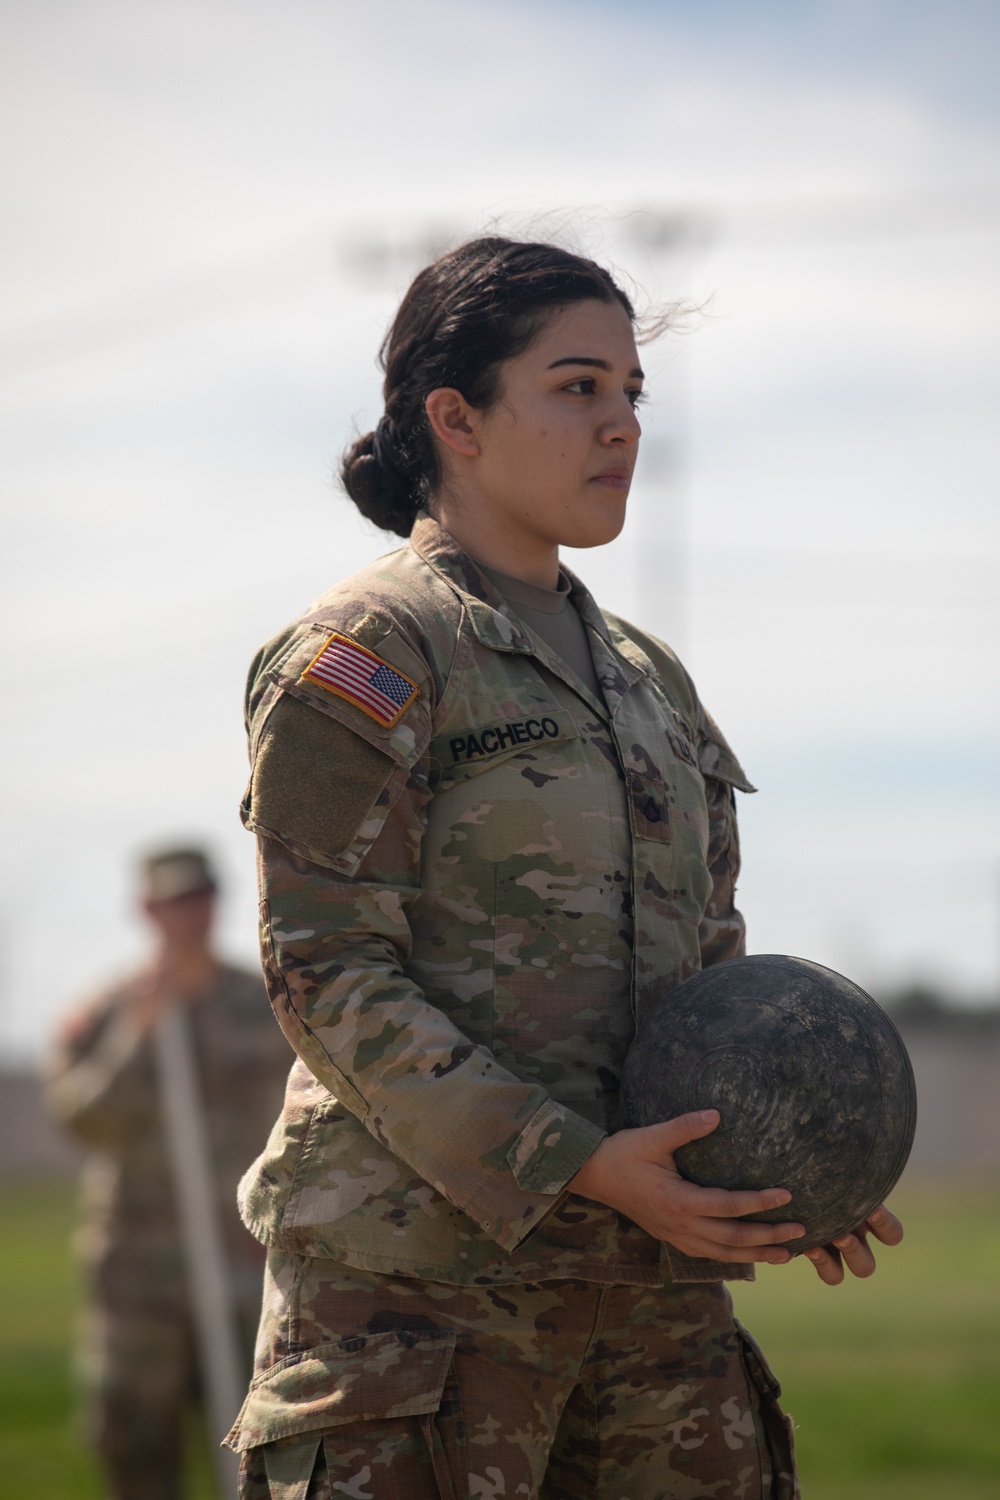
[648, 807]
[353, 1380]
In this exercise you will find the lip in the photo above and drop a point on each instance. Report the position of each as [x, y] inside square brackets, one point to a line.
[617, 479]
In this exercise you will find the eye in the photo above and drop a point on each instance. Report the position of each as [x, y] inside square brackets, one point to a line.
[637, 398]
[585, 386]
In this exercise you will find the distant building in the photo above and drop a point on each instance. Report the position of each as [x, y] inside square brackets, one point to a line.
[956, 1062]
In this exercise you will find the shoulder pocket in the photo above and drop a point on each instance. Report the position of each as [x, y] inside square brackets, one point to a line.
[333, 743]
[359, 1379]
[319, 788]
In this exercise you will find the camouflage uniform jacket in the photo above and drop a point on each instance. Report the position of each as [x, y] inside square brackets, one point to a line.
[467, 908]
[102, 1087]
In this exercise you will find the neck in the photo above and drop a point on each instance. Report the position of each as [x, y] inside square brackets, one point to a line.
[494, 541]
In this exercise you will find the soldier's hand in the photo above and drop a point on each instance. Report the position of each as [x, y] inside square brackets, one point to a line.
[634, 1172]
[74, 1027]
[152, 996]
[853, 1250]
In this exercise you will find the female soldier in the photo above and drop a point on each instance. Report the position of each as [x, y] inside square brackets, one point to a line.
[495, 825]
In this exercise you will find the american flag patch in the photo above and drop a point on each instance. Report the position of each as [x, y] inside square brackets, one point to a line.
[364, 679]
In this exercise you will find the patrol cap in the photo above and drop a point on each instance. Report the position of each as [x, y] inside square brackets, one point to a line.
[811, 1079]
[170, 873]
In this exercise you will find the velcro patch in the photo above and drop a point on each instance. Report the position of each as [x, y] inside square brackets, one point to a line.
[364, 679]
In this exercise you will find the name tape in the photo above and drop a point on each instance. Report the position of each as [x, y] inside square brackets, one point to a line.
[497, 737]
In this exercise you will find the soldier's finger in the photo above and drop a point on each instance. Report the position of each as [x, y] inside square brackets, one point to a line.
[884, 1226]
[857, 1254]
[707, 1248]
[735, 1234]
[827, 1264]
[718, 1203]
[665, 1139]
[735, 1240]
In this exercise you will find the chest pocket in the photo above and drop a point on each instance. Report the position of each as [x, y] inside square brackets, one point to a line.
[648, 807]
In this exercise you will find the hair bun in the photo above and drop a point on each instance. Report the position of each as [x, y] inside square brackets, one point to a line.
[376, 480]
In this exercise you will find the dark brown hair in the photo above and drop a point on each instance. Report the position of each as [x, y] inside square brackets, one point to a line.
[465, 314]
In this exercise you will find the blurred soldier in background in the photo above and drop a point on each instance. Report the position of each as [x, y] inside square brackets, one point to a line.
[107, 1087]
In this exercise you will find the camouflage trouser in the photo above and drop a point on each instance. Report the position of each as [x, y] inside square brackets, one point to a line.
[139, 1372]
[138, 1368]
[381, 1388]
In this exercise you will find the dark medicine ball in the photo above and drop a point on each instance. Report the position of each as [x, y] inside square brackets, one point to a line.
[813, 1086]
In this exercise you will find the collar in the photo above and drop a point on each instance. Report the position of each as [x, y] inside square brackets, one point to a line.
[618, 661]
[491, 621]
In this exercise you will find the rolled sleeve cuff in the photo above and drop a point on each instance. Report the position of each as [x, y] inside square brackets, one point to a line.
[551, 1149]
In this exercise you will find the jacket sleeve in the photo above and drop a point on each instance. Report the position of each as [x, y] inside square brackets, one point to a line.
[96, 1081]
[339, 813]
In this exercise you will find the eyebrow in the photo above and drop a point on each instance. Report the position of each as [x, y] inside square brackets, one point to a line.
[597, 364]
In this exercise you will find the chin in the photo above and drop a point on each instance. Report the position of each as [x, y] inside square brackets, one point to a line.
[596, 530]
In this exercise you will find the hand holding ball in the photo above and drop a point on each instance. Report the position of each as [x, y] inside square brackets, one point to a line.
[809, 1075]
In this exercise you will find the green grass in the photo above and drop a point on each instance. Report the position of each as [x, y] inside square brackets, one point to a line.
[894, 1383]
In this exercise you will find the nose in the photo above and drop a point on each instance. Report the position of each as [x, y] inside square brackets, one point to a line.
[623, 426]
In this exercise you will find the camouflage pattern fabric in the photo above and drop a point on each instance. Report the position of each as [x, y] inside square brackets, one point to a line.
[136, 1354]
[466, 911]
[138, 1371]
[386, 1388]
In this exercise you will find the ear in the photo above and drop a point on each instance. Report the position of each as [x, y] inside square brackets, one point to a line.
[453, 421]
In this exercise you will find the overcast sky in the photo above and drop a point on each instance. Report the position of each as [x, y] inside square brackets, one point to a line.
[192, 194]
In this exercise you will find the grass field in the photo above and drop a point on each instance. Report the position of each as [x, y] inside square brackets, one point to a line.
[894, 1383]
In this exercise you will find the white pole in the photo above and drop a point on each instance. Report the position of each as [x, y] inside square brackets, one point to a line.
[220, 1356]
